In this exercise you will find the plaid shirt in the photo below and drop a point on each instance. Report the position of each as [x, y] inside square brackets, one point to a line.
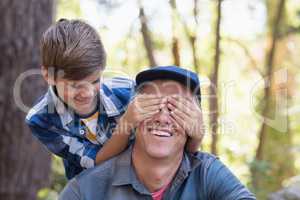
[59, 129]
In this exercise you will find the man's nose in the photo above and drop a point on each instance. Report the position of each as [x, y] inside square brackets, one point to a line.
[163, 117]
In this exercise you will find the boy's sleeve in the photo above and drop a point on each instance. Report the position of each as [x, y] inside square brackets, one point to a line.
[223, 185]
[124, 89]
[79, 152]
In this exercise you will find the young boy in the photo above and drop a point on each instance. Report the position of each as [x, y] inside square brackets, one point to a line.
[77, 118]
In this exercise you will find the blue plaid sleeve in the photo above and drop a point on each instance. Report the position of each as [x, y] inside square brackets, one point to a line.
[125, 91]
[117, 93]
[77, 151]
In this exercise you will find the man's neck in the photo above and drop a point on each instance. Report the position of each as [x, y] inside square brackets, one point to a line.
[154, 173]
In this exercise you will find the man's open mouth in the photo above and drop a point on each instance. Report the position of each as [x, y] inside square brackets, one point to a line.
[160, 132]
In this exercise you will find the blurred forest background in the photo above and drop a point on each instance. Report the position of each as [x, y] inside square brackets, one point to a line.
[246, 52]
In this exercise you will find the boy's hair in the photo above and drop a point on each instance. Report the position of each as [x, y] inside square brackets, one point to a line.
[73, 48]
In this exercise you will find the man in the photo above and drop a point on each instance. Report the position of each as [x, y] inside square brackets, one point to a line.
[156, 166]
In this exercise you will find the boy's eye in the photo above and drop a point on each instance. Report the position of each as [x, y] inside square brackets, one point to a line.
[81, 85]
[96, 81]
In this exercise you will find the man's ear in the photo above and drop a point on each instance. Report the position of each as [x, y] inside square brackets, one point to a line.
[48, 77]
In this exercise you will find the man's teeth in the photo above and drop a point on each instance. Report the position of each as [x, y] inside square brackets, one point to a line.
[161, 133]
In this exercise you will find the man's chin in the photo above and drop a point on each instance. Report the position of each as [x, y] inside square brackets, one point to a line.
[159, 154]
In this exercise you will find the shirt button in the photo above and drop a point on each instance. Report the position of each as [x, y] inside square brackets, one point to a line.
[81, 132]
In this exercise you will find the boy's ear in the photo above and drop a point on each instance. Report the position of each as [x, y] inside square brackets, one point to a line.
[48, 78]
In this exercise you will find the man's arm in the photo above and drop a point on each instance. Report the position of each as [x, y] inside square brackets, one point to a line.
[71, 191]
[223, 185]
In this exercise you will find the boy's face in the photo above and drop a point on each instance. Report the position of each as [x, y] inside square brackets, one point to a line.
[80, 95]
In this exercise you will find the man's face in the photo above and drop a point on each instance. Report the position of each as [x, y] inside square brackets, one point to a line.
[159, 136]
[80, 95]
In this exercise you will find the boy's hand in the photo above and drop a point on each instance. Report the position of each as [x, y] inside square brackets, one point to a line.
[188, 115]
[142, 107]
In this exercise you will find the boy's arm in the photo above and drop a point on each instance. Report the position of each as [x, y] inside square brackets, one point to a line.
[116, 144]
[79, 152]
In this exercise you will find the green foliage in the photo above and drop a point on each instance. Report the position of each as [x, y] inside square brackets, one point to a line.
[58, 181]
[69, 9]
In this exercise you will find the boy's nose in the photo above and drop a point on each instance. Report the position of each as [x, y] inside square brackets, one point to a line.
[86, 92]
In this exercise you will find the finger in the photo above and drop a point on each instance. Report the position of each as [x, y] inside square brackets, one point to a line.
[148, 115]
[179, 97]
[178, 120]
[187, 101]
[177, 126]
[185, 105]
[176, 114]
[148, 109]
[150, 102]
[149, 96]
[186, 125]
[177, 111]
[180, 104]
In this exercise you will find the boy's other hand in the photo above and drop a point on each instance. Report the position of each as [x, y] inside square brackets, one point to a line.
[188, 114]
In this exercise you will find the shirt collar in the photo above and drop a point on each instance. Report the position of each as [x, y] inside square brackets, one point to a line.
[188, 163]
[63, 112]
[124, 173]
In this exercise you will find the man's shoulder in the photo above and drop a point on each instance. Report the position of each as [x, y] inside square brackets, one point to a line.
[205, 157]
[217, 179]
[206, 160]
[106, 172]
[91, 183]
[101, 172]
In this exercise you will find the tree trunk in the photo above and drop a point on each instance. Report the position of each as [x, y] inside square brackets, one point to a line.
[273, 160]
[191, 35]
[175, 51]
[175, 40]
[270, 69]
[25, 165]
[147, 37]
[213, 105]
[193, 38]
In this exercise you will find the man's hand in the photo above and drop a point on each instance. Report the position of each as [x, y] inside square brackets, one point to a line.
[188, 115]
[141, 108]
